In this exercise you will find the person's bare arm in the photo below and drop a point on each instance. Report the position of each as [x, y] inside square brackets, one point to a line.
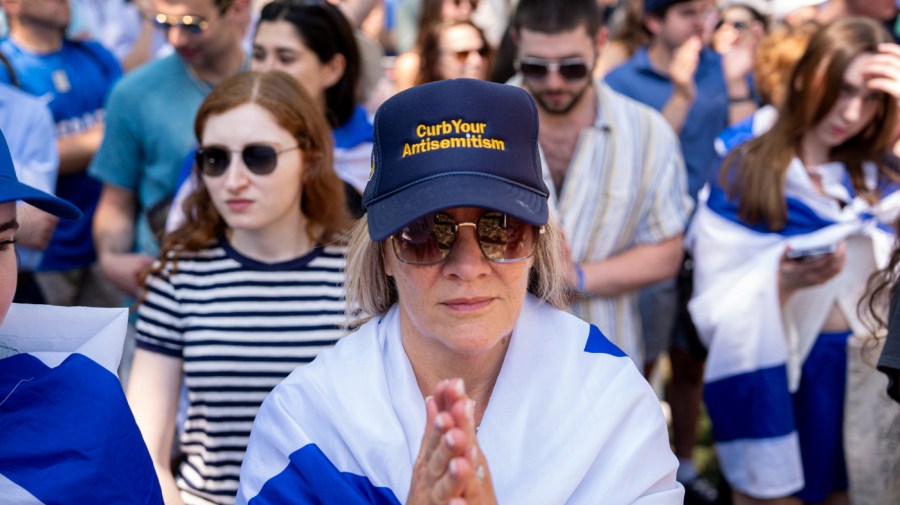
[634, 269]
[153, 390]
[35, 227]
[113, 236]
[76, 151]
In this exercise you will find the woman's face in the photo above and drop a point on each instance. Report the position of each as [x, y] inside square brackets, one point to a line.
[250, 202]
[855, 107]
[8, 266]
[276, 46]
[466, 304]
[461, 53]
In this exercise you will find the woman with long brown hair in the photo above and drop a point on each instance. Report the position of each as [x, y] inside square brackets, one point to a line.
[782, 248]
[247, 288]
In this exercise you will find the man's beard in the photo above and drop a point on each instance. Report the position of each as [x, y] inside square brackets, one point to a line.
[576, 97]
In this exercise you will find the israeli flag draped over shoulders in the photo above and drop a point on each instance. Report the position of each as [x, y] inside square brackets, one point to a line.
[67, 434]
[756, 349]
[570, 420]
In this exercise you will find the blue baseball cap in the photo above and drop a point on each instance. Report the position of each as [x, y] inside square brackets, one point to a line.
[12, 190]
[454, 143]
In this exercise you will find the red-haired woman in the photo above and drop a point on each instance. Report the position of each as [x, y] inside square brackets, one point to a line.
[247, 288]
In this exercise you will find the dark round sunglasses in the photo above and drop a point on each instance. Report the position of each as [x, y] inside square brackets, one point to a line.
[260, 159]
[570, 69]
[501, 238]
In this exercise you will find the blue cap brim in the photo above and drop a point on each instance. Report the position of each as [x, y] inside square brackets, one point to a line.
[388, 215]
[12, 190]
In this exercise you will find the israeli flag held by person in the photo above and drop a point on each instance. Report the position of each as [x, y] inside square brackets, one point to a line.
[67, 434]
[757, 347]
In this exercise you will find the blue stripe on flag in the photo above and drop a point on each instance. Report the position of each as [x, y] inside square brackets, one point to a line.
[752, 405]
[597, 343]
[312, 478]
[801, 219]
[68, 435]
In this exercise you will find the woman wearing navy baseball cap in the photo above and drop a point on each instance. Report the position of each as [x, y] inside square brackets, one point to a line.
[467, 384]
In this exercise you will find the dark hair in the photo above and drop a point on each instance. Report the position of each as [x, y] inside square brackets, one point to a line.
[662, 8]
[323, 28]
[552, 16]
[430, 51]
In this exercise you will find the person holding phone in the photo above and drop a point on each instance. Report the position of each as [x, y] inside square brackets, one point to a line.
[782, 247]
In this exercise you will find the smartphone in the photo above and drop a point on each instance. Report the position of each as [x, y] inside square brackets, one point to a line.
[811, 253]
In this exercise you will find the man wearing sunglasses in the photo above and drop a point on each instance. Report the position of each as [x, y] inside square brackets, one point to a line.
[150, 129]
[615, 169]
[73, 78]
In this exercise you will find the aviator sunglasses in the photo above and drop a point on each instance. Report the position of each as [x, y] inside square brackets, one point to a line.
[195, 25]
[571, 69]
[259, 159]
[463, 55]
[429, 239]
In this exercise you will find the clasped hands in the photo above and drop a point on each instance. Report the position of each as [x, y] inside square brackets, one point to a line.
[450, 468]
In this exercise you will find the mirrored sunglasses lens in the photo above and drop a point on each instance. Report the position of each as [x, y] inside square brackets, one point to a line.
[425, 241]
[504, 238]
[212, 161]
[260, 160]
[533, 70]
[573, 71]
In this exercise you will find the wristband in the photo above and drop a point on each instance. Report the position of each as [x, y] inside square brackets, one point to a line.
[740, 99]
[580, 273]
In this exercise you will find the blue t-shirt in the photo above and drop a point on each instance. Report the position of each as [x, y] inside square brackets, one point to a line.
[637, 79]
[149, 131]
[74, 82]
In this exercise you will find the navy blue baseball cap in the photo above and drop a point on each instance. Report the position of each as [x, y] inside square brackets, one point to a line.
[12, 190]
[454, 143]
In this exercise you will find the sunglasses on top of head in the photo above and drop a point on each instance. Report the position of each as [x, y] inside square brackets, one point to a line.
[429, 240]
[571, 69]
[260, 159]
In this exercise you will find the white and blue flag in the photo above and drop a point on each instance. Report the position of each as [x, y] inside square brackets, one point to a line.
[756, 348]
[570, 420]
[67, 434]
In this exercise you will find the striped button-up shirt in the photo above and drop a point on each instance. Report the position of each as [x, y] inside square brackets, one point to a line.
[625, 186]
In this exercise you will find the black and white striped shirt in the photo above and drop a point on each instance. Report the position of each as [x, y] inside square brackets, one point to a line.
[240, 327]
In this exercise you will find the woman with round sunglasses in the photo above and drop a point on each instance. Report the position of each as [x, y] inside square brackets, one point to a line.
[794, 223]
[468, 384]
[433, 13]
[452, 50]
[248, 288]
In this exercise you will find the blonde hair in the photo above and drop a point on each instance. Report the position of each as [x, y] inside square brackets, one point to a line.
[370, 290]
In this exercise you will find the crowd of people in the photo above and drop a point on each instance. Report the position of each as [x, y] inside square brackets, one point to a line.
[281, 193]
